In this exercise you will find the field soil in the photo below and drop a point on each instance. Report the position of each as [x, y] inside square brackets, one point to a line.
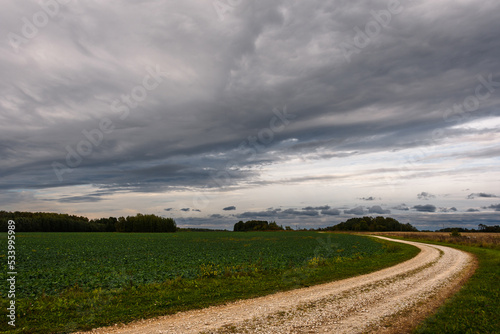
[392, 300]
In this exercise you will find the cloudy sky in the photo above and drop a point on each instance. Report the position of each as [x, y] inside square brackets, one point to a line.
[210, 112]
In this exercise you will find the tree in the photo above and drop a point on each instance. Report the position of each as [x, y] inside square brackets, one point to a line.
[55, 222]
[371, 224]
[256, 225]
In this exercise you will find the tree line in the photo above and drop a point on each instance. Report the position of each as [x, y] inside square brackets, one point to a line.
[256, 225]
[481, 228]
[371, 224]
[354, 224]
[56, 222]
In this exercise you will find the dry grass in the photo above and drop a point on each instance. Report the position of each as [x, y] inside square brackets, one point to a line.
[484, 240]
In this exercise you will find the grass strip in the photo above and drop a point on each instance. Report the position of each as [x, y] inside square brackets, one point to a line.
[476, 307]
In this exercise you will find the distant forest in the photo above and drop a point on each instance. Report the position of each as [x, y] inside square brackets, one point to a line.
[481, 228]
[256, 225]
[55, 222]
[371, 224]
[353, 224]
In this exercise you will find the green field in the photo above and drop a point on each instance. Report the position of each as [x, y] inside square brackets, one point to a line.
[70, 281]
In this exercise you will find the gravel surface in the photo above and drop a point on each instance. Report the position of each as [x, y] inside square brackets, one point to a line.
[359, 304]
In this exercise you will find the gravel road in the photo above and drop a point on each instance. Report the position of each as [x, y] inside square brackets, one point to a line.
[391, 300]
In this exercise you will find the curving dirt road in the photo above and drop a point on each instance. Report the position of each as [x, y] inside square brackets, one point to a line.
[391, 300]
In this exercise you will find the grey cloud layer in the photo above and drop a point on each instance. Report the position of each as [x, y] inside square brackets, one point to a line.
[218, 83]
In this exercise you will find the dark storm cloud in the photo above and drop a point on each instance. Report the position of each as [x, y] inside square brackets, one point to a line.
[96, 196]
[80, 199]
[80, 93]
[472, 210]
[324, 207]
[292, 212]
[229, 208]
[378, 209]
[168, 209]
[330, 212]
[482, 195]
[452, 209]
[312, 212]
[425, 208]
[425, 195]
[356, 211]
[495, 207]
[279, 213]
[401, 207]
